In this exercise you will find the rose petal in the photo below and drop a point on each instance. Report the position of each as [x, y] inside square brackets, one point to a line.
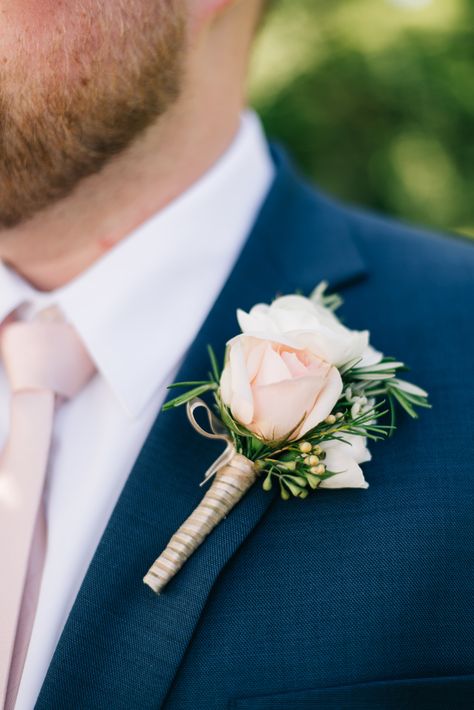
[356, 447]
[302, 323]
[370, 356]
[226, 385]
[272, 368]
[294, 364]
[349, 473]
[256, 320]
[325, 402]
[332, 345]
[278, 408]
[241, 401]
[254, 351]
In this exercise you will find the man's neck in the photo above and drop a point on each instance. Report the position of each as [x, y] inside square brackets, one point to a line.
[58, 244]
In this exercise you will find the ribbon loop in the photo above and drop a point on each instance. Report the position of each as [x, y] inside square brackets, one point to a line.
[217, 431]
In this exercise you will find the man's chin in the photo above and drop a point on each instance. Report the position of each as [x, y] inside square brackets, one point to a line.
[44, 159]
[55, 132]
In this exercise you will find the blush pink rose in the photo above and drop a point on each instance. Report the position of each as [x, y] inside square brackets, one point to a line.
[275, 390]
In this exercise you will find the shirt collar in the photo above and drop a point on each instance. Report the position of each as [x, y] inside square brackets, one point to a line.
[139, 307]
[14, 291]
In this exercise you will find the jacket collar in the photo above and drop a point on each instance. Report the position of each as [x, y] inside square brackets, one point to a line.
[121, 643]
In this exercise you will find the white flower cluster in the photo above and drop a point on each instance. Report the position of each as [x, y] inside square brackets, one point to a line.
[360, 404]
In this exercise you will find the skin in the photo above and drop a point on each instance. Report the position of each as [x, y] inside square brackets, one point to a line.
[79, 170]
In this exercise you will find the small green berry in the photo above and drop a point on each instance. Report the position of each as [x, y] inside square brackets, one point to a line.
[312, 480]
[284, 494]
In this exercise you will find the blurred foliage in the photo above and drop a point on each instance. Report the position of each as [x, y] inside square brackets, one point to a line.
[375, 101]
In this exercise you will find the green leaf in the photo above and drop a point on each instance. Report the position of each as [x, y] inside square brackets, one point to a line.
[229, 422]
[393, 414]
[381, 367]
[187, 396]
[190, 384]
[371, 376]
[404, 403]
[215, 367]
[256, 446]
[349, 366]
[417, 400]
[330, 474]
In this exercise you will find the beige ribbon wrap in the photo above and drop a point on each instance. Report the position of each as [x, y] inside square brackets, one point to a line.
[233, 475]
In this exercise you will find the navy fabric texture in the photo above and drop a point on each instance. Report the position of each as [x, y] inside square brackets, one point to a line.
[349, 599]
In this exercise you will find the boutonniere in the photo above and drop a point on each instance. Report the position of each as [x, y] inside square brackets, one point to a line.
[298, 399]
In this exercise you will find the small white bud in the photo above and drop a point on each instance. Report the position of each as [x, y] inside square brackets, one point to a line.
[355, 410]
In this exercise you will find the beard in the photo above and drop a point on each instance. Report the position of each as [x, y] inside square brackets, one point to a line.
[80, 91]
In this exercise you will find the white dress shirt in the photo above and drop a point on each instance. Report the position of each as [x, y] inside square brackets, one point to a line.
[137, 310]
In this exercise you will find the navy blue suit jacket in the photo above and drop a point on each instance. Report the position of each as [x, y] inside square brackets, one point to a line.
[349, 599]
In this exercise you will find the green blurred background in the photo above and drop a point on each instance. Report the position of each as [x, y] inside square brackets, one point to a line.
[375, 101]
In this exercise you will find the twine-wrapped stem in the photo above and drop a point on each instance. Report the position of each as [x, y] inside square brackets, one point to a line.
[230, 484]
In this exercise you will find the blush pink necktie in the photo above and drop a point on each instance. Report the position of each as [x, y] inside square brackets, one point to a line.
[44, 360]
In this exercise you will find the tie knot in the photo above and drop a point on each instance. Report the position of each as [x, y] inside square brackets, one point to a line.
[45, 355]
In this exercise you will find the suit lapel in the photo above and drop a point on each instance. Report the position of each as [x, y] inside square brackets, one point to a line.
[122, 645]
